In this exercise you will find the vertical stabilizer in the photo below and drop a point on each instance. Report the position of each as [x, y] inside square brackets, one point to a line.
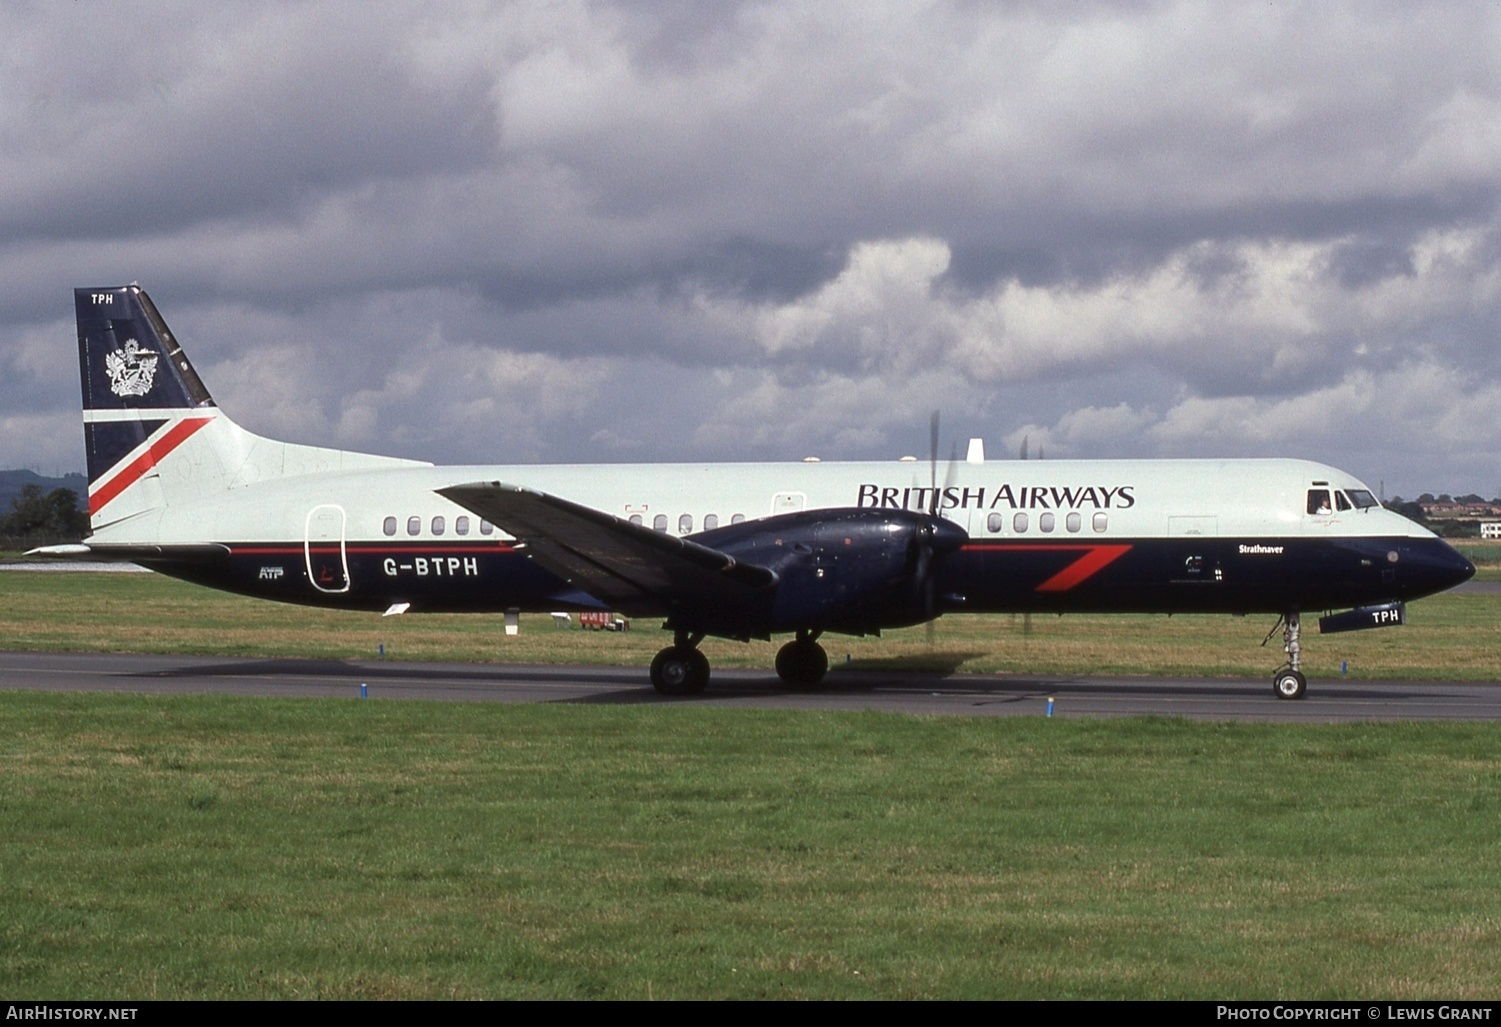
[154, 437]
[128, 356]
[142, 403]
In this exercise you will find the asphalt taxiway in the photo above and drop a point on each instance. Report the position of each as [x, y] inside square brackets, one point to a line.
[1328, 701]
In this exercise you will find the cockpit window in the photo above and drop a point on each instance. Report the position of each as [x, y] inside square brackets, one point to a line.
[1318, 501]
[1362, 499]
[1340, 502]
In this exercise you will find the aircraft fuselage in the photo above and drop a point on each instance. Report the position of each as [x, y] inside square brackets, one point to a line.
[1147, 537]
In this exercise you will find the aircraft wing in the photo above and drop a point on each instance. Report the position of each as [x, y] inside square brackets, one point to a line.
[628, 566]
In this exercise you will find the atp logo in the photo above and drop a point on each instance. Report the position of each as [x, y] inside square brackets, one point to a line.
[131, 369]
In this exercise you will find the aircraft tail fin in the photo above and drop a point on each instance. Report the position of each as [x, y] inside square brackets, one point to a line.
[142, 402]
[128, 357]
[153, 434]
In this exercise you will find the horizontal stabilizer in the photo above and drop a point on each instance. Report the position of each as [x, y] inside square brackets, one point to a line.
[627, 566]
[133, 552]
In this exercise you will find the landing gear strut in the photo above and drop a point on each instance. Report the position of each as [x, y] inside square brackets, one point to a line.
[681, 669]
[1289, 682]
[802, 662]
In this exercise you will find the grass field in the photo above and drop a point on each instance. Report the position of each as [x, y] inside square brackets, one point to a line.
[206, 847]
[1448, 637]
[1486, 556]
[216, 847]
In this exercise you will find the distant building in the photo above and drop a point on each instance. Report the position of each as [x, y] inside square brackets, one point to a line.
[1440, 510]
[1490, 529]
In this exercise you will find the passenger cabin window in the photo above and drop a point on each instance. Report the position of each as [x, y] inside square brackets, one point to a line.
[1101, 521]
[659, 522]
[1019, 523]
[685, 524]
[711, 521]
[636, 520]
[1074, 521]
[438, 525]
[486, 528]
[1318, 501]
[737, 518]
[995, 523]
[1045, 522]
[389, 526]
[461, 526]
[414, 525]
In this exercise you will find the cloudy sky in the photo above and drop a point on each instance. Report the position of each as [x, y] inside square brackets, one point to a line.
[496, 232]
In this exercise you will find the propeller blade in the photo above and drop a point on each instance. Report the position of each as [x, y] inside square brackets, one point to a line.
[933, 463]
[937, 536]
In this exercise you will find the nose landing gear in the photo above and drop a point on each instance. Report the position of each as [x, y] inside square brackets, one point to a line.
[1289, 682]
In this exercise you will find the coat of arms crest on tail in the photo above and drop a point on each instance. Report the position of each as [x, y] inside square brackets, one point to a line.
[130, 369]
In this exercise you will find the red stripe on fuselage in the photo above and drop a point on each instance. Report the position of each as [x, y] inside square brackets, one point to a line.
[1095, 559]
[137, 468]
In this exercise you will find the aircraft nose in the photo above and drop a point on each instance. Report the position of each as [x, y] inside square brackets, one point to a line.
[1431, 566]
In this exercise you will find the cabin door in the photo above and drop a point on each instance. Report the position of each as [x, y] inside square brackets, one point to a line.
[324, 551]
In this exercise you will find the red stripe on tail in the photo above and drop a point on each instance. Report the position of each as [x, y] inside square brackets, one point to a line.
[137, 468]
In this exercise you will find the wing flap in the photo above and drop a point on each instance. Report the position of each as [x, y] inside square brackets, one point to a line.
[628, 566]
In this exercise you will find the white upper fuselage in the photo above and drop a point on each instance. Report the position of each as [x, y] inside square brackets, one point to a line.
[1036, 500]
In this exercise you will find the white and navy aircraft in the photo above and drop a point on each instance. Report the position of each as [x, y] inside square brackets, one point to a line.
[741, 551]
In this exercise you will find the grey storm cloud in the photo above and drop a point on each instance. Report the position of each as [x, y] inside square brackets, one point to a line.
[573, 231]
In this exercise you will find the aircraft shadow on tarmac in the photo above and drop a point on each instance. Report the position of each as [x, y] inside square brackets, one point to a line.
[885, 675]
[936, 665]
[1010, 689]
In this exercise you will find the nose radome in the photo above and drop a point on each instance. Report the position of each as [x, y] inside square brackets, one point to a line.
[1433, 567]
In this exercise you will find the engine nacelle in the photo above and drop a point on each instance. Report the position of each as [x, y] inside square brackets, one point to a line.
[854, 571]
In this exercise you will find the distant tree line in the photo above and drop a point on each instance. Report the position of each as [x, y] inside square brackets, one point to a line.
[1444, 497]
[1409, 508]
[39, 518]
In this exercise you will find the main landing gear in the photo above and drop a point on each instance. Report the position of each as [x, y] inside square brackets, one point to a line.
[681, 669]
[1289, 682]
[802, 663]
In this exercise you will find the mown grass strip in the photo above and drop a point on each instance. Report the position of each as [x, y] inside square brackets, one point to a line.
[222, 847]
